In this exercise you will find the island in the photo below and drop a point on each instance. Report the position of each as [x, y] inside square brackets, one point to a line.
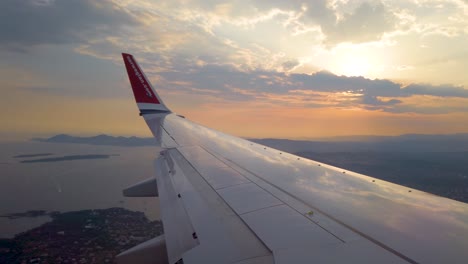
[87, 236]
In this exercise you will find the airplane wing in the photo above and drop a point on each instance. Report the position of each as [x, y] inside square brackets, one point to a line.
[225, 199]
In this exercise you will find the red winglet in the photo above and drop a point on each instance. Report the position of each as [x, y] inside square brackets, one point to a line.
[145, 96]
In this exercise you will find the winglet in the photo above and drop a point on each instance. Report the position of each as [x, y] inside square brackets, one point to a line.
[146, 97]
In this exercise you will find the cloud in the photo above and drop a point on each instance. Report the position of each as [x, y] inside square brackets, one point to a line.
[343, 22]
[237, 50]
[289, 65]
[436, 90]
[321, 89]
[367, 22]
[27, 23]
[375, 101]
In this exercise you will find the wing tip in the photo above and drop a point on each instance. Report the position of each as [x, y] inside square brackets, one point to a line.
[145, 96]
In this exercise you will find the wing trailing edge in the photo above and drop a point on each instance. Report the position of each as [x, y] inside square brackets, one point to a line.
[150, 252]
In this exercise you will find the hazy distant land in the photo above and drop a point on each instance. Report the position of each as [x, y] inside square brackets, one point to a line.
[31, 213]
[433, 163]
[100, 140]
[440, 173]
[69, 157]
[32, 155]
[402, 143]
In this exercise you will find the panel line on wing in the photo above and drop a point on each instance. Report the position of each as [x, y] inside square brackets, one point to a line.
[231, 186]
[375, 241]
[237, 168]
[295, 208]
[283, 227]
[177, 225]
[248, 212]
[175, 141]
[220, 230]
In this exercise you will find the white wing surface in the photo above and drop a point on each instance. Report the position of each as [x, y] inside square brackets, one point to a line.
[229, 200]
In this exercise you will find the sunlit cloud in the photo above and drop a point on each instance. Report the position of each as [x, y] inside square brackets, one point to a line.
[314, 90]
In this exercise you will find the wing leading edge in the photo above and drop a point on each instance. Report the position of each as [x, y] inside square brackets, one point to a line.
[241, 202]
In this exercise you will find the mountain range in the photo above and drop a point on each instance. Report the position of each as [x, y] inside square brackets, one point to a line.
[403, 143]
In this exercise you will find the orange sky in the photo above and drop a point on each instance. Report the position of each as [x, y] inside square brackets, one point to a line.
[246, 119]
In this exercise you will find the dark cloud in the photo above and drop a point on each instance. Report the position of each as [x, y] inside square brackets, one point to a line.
[319, 13]
[373, 100]
[375, 94]
[289, 65]
[373, 103]
[436, 90]
[27, 23]
[329, 82]
[365, 23]
[368, 22]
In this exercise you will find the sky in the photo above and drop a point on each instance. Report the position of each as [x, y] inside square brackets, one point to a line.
[258, 69]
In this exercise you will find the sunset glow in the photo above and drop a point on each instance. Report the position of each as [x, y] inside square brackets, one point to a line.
[291, 69]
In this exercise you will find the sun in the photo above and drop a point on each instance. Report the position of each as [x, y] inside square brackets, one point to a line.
[352, 66]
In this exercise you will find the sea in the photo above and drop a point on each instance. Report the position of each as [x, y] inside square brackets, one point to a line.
[58, 177]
